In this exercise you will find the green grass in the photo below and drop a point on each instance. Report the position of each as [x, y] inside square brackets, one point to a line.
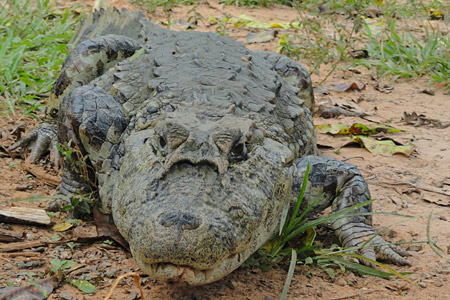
[297, 240]
[263, 3]
[325, 39]
[33, 39]
[151, 5]
[404, 55]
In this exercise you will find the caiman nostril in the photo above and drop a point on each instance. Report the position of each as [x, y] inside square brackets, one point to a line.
[181, 220]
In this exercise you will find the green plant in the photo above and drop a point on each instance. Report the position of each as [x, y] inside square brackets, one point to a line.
[263, 3]
[33, 39]
[61, 268]
[223, 25]
[297, 237]
[195, 16]
[151, 5]
[405, 55]
[315, 44]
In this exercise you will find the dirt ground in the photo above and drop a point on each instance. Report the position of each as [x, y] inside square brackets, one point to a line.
[413, 185]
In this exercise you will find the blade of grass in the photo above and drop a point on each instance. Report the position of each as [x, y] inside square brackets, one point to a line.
[430, 242]
[290, 274]
[300, 199]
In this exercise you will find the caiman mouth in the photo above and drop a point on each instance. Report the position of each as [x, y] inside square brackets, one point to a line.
[189, 275]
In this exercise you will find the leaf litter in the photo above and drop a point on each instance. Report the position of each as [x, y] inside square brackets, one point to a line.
[358, 133]
[421, 120]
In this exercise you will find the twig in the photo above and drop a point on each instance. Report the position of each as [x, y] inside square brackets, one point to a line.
[431, 243]
[355, 295]
[38, 173]
[26, 245]
[27, 254]
[419, 186]
[136, 278]
[360, 157]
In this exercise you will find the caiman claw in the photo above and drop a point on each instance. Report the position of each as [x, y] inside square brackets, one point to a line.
[371, 245]
[40, 140]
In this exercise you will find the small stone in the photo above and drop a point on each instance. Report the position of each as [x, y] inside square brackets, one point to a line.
[30, 264]
[428, 92]
[438, 283]
[104, 265]
[341, 282]
[65, 295]
[414, 247]
[392, 233]
[133, 296]
[422, 284]
[111, 273]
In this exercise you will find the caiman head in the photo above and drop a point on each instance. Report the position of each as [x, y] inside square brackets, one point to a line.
[198, 192]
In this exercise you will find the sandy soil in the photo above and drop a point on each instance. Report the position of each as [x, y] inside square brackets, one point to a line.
[415, 185]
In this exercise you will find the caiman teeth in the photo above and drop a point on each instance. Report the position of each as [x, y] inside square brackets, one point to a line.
[168, 271]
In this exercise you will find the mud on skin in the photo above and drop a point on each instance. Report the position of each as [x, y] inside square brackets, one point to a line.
[197, 144]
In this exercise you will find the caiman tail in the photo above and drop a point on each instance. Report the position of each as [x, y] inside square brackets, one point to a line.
[113, 21]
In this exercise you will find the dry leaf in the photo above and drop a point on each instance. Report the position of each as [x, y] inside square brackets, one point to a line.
[344, 87]
[62, 226]
[35, 291]
[385, 148]
[421, 120]
[106, 227]
[260, 37]
[356, 129]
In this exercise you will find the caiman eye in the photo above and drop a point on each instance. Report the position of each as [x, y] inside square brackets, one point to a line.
[54, 113]
[238, 152]
[161, 144]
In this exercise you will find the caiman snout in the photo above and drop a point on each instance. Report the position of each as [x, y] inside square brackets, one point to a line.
[180, 220]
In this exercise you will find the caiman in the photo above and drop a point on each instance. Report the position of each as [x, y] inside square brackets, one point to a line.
[195, 144]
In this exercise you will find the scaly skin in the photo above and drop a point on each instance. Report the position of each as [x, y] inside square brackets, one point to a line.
[197, 144]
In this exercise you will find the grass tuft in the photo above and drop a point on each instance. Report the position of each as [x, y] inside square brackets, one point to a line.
[404, 55]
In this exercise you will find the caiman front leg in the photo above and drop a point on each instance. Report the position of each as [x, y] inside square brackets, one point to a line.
[90, 123]
[89, 60]
[343, 186]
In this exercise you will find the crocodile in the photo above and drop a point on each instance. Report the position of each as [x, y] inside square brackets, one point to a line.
[195, 145]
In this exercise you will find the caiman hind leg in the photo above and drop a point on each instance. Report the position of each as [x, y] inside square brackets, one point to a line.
[89, 60]
[90, 123]
[343, 186]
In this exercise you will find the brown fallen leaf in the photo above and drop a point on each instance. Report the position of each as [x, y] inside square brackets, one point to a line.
[106, 227]
[335, 142]
[321, 90]
[421, 120]
[386, 88]
[35, 291]
[345, 87]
